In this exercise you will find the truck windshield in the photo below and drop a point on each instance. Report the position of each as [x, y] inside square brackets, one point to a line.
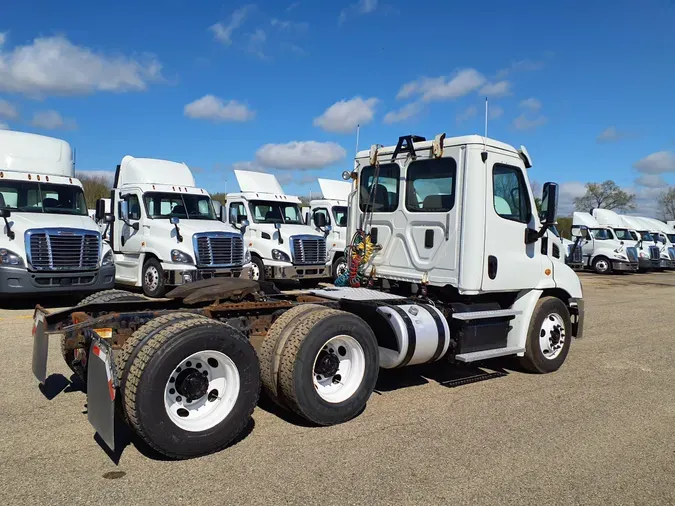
[623, 234]
[646, 236]
[34, 197]
[340, 215]
[270, 211]
[180, 205]
[601, 234]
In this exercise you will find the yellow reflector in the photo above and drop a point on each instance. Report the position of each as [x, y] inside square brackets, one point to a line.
[104, 333]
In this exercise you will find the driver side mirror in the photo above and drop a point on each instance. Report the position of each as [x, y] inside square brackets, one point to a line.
[108, 217]
[5, 213]
[581, 231]
[549, 203]
[234, 215]
[100, 210]
[320, 220]
[124, 210]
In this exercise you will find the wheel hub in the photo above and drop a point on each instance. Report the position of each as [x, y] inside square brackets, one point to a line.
[192, 384]
[327, 364]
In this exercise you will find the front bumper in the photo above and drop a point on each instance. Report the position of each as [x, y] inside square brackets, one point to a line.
[20, 281]
[645, 263]
[297, 271]
[665, 263]
[177, 277]
[623, 266]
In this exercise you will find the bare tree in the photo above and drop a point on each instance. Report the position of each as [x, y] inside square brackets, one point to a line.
[95, 187]
[667, 204]
[606, 195]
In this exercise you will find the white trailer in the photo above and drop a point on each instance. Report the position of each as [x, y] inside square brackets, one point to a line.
[49, 244]
[334, 208]
[166, 231]
[282, 246]
[446, 235]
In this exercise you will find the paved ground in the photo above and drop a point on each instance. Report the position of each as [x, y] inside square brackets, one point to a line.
[599, 431]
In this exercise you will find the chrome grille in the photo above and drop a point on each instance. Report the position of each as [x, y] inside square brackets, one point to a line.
[632, 254]
[654, 252]
[61, 249]
[308, 249]
[671, 253]
[219, 249]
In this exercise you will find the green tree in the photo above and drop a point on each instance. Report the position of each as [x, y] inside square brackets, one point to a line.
[667, 204]
[95, 187]
[219, 196]
[605, 195]
[565, 226]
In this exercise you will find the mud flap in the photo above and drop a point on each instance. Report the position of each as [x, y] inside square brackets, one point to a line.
[40, 346]
[101, 388]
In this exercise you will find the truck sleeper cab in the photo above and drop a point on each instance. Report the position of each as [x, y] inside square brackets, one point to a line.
[334, 208]
[166, 232]
[282, 246]
[49, 244]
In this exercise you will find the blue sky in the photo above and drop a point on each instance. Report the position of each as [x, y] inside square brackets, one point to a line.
[586, 86]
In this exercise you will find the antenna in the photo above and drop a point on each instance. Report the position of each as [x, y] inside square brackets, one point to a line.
[358, 129]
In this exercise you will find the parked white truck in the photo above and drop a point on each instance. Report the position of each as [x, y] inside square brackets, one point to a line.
[49, 244]
[648, 258]
[663, 239]
[282, 246]
[166, 232]
[646, 242]
[602, 251]
[333, 207]
[458, 274]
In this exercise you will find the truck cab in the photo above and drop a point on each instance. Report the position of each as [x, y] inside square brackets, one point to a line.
[602, 251]
[663, 239]
[627, 234]
[333, 207]
[282, 246]
[648, 248]
[49, 244]
[166, 232]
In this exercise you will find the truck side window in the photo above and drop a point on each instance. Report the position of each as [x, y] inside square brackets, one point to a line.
[511, 200]
[430, 185]
[134, 207]
[241, 210]
[384, 196]
[323, 211]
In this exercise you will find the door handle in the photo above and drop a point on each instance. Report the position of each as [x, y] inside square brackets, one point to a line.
[492, 267]
[429, 239]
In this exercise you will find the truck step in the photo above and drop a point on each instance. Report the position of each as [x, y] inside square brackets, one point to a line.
[493, 313]
[486, 354]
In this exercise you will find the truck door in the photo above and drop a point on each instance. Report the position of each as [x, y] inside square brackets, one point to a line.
[510, 263]
[130, 239]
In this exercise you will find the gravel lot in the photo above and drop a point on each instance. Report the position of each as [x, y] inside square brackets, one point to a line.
[599, 431]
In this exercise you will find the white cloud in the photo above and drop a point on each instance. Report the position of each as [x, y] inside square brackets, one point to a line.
[462, 83]
[495, 111]
[467, 113]
[611, 134]
[286, 25]
[521, 66]
[360, 7]
[4, 126]
[569, 190]
[498, 89]
[651, 181]
[299, 155]
[53, 65]
[7, 110]
[294, 5]
[522, 122]
[657, 163]
[223, 31]
[256, 43]
[531, 103]
[213, 108]
[406, 112]
[343, 116]
[3, 38]
[248, 165]
[52, 120]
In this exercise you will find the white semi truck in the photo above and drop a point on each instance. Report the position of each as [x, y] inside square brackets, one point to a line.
[648, 258]
[646, 241]
[446, 235]
[602, 251]
[333, 207]
[166, 232]
[49, 244]
[282, 246]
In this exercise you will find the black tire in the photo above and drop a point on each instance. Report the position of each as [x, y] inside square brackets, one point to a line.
[534, 359]
[296, 372]
[261, 268]
[602, 265]
[152, 268]
[309, 283]
[274, 340]
[103, 296]
[337, 263]
[153, 365]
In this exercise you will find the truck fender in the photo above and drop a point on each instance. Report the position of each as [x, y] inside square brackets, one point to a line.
[525, 302]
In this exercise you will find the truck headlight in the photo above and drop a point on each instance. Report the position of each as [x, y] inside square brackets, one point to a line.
[107, 259]
[621, 257]
[280, 255]
[180, 257]
[8, 257]
[247, 256]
